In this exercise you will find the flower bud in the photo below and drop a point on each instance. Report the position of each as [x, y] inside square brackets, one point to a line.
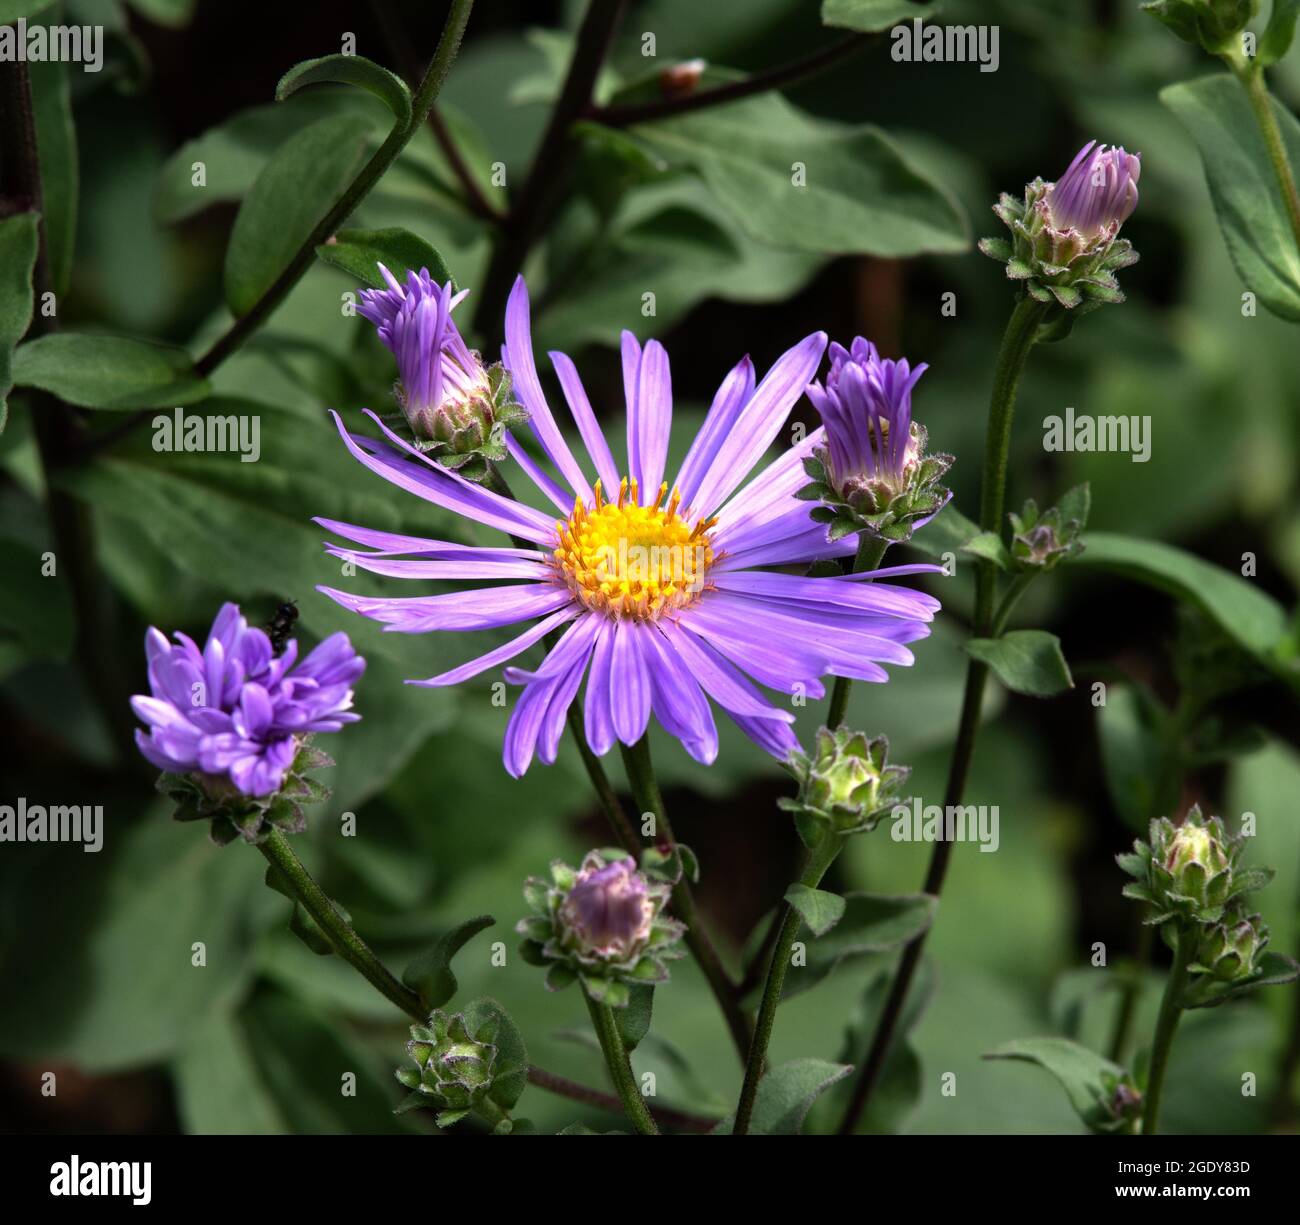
[1064, 243]
[1229, 950]
[1042, 540]
[454, 1068]
[1211, 23]
[846, 784]
[455, 408]
[603, 924]
[872, 473]
[1190, 872]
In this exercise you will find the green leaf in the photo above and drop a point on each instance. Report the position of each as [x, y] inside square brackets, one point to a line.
[18, 246]
[56, 139]
[949, 532]
[820, 910]
[1250, 617]
[872, 923]
[123, 926]
[1276, 39]
[1243, 187]
[1087, 1078]
[1131, 752]
[785, 1095]
[989, 547]
[871, 16]
[858, 194]
[350, 70]
[12, 10]
[1025, 661]
[115, 372]
[219, 1091]
[295, 189]
[634, 1021]
[430, 974]
[510, 1071]
[358, 252]
[1076, 503]
[172, 13]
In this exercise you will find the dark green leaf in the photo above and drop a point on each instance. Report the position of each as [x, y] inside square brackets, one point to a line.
[634, 1021]
[1243, 187]
[805, 185]
[357, 252]
[174, 13]
[1025, 661]
[35, 609]
[785, 1095]
[300, 183]
[350, 70]
[430, 974]
[109, 371]
[820, 910]
[1087, 1078]
[57, 140]
[18, 243]
[989, 547]
[870, 16]
[510, 1071]
[1276, 39]
[1249, 616]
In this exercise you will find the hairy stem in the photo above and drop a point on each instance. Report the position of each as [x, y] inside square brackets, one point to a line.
[1171, 1011]
[645, 790]
[871, 552]
[620, 1067]
[338, 931]
[819, 860]
[1251, 76]
[1021, 332]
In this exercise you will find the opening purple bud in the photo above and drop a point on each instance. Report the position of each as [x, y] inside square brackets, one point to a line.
[1097, 192]
[609, 910]
[443, 388]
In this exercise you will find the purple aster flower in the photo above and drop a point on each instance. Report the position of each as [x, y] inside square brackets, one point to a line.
[237, 711]
[665, 600]
[443, 388]
[1098, 192]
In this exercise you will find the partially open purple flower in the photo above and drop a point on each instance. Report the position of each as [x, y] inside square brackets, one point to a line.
[443, 388]
[866, 407]
[873, 474]
[1097, 191]
[609, 910]
[235, 710]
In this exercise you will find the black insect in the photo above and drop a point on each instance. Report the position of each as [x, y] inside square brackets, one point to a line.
[281, 625]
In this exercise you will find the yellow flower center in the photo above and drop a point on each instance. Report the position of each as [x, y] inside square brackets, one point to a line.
[627, 560]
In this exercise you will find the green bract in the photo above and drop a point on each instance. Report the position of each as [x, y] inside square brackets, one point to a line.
[1066, 267]
[1041, 540]
[846, 785]
[468, 433]
[455, 1067]
[206, 797]
[557, 936]
[882, 508]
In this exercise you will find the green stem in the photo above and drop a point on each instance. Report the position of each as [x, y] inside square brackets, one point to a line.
[871, 551]
[620, 1067]
[819, 860]
[338, 931]
[1017, 340]
[1010, 598]
[1251, 75]
[645, 790]
[1171, 1011]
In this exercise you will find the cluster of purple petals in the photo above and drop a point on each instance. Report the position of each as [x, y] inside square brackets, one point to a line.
[237, 710]
[866, 407]
[1098, 189]
[433, 362]
[606, 909]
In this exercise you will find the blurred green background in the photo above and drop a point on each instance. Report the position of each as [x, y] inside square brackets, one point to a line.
[95, 949]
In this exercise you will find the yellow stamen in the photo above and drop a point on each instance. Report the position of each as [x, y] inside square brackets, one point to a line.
[633, 561]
